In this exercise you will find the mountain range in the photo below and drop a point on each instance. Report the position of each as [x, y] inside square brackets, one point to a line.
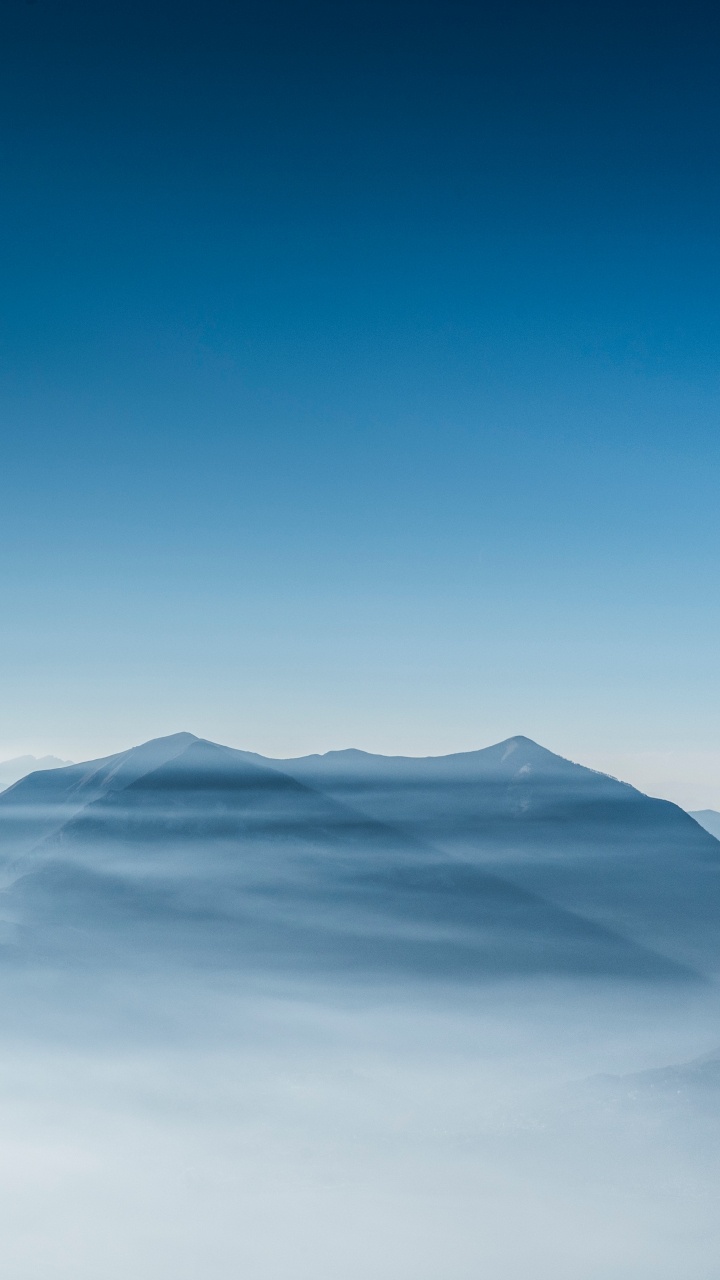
[504, 861]
[12, 770]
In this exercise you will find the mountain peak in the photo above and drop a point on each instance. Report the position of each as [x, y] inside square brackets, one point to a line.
[184, 738]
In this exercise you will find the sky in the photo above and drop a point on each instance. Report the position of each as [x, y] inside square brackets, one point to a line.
[359, 379]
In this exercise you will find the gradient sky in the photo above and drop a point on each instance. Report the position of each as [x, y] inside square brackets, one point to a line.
[360, 379]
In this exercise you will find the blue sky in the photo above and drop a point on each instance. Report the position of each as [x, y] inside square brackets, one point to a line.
[359, 380]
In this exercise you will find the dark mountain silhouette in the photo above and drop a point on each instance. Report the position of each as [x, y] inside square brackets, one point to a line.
[185, 847]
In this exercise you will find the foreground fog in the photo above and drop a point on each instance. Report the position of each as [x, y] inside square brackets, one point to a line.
[198, 1130]
[433, 1021]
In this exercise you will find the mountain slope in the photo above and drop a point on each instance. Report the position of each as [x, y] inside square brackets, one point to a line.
[489, 796]
[709, 819]
[44, 801]
[581, 839]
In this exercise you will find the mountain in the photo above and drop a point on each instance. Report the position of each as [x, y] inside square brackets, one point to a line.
[679, 1102]
[709, 819]
[12, 770]
[578, 838]
[43, 801]
[695, 1083]
[478, 801]
[185, 848]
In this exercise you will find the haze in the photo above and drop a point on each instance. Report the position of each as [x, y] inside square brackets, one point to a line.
[400, 1017]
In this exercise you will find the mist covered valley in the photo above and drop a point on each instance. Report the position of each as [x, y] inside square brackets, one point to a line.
[357, 1016]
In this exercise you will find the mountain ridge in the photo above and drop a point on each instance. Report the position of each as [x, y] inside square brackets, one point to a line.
[197, 815]
[11, 771]
[207, 846]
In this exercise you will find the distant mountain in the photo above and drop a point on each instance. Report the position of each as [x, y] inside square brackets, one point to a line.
[681, 1098]
[695, 1082]
[182, 847]
[709, 819]
[12, 770]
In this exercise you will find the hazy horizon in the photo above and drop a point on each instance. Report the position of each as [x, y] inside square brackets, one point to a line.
[691, 781]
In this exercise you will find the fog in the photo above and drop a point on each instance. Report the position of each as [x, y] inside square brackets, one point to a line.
[199, 1129]
[252, 1029]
